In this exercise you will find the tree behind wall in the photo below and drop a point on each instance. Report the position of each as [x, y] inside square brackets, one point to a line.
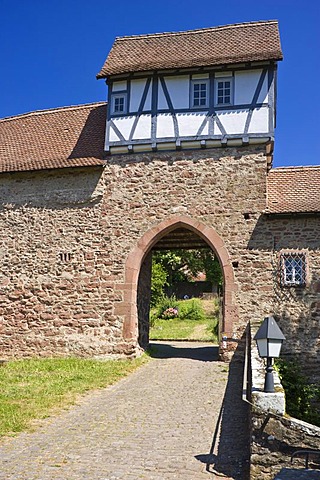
[172, 266]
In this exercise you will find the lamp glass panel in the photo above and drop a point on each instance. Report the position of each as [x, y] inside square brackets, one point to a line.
[262, 344]
[274, 348]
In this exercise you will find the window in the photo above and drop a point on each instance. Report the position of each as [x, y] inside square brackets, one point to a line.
[293, 269]
[119, 103]
[199, 93]
[223, 91]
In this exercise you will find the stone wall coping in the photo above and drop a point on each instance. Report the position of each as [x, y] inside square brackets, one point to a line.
[308, 428]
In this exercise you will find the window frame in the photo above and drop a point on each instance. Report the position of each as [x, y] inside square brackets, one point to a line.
[116, 95]
[194, 82]
[223, 79]
[286, 256]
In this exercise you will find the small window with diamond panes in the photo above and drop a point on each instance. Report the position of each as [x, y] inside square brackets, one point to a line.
[293, 269]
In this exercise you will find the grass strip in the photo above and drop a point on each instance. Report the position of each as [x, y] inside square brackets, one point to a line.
[176, 329]
[35, 388]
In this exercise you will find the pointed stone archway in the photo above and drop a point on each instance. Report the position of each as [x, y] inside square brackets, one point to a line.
[128, 307]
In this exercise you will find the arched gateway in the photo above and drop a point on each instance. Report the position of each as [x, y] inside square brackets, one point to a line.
[128, 308]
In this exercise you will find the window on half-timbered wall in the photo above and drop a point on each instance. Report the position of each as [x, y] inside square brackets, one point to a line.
[223, 88]
[223, 91]
[200, 94]
[118, 103]
[293, 268]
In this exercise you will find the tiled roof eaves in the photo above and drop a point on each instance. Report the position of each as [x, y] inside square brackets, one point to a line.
[54, 165]
[289, 213]
[223, 62]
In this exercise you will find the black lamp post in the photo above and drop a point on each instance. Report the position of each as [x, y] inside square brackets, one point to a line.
[269, 340]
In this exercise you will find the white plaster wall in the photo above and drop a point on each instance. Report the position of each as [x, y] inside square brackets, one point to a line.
[162, 102]
[119, 86]
[124, 125]
[113, 137]
[259, 121]
[165, 126]
[143, 128]
[136, 92]
[178, 88]
[189, 123]
[233, 122]
[245, 85]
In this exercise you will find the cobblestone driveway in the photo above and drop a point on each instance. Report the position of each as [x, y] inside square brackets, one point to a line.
[159, 423]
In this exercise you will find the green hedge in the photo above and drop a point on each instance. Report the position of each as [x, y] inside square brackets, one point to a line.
[302, 396]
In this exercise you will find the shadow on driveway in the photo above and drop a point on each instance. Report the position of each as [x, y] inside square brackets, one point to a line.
[192, 350]
[229, 455]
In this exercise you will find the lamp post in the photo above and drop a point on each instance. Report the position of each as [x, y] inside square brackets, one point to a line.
[269, 340]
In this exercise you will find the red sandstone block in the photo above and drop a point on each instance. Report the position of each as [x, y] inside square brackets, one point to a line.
[125, 308]
[46, 316]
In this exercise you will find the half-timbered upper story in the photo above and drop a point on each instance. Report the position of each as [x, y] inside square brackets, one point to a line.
[194, 89]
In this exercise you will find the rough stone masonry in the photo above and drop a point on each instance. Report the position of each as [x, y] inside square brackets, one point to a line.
[66, 236]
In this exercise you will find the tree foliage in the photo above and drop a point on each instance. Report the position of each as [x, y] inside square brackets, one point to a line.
[184, 265]
[158, 282]
[302, 396]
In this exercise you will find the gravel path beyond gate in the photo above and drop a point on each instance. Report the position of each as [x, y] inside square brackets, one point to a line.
[164, 421]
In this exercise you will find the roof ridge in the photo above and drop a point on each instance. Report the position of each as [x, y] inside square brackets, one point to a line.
[294, 167]
[51, 110]
[195, 31]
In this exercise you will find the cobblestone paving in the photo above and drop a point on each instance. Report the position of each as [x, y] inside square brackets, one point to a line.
[162, 422]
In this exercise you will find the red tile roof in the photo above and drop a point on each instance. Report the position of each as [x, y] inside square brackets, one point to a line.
[59, 138]
[293, 190]
[244, 42]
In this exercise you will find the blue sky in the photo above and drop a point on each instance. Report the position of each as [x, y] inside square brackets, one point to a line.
[52, 50]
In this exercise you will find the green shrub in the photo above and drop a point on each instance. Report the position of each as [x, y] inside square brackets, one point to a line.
[167, 308]
[302, 397]
[191, 310]
[158, 282]
[213, 327]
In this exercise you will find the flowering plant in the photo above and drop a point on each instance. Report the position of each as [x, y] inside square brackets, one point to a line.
[170, 312]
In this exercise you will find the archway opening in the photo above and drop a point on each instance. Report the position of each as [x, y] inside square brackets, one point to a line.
[180, 290]
[137, 287]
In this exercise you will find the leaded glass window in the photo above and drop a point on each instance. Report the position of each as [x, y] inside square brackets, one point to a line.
[293, 269]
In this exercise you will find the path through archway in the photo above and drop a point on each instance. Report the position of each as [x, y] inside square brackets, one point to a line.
[139, 263]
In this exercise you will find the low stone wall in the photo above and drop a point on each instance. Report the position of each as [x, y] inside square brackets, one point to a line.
[275, 439]
[274, 435]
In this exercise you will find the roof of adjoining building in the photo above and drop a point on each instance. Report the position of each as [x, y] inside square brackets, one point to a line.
[57, 138]
[74, 137]
[293, 190]
[229, 44]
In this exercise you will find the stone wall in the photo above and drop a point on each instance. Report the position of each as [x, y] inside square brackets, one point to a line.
[66, 235]
[275, 439]
[143, 301]
[275, 436]
[296, 309]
